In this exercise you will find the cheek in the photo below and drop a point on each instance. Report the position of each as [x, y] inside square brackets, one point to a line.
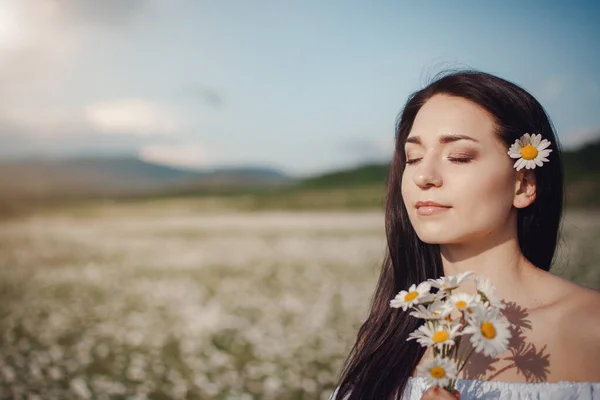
[488, 198]
[405, 189]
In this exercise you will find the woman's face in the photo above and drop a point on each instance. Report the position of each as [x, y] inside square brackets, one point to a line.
[455, 159]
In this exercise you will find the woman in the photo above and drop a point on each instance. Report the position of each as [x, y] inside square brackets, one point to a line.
[458, 200]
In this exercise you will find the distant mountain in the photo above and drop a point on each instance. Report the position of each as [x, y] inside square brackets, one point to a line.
[130, 177]
[109, 177]
[359, 176]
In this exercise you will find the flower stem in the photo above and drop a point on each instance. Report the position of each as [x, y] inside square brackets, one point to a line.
[456, 348]
[465, 360]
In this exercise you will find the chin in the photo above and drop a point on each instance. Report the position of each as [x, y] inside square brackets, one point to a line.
[437, 237]
[434, 240]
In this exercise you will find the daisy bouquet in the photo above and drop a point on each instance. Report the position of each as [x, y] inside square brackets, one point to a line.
[449, 316]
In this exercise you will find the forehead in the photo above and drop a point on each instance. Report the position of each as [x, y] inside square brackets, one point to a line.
[447, 115]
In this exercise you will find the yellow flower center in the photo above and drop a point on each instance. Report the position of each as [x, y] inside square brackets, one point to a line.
[437, 372]
[461, 304]
[469, 310]
[529, 152]
[440, 336]
[488, 330]
[411, 296]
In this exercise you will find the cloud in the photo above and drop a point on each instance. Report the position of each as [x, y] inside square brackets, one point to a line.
[133, 116]
[126, 117]
[365, 150]
[190, 155]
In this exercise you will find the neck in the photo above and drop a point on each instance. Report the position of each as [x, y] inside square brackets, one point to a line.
[497, 258]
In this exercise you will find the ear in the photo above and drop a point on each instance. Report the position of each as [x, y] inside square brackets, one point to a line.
[525, 189]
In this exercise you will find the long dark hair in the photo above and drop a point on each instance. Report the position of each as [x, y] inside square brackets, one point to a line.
[381, 361]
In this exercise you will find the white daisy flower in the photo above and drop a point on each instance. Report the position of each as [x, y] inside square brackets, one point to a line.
[437, 372]
[414, 295]
[488, 292]
[436, 334]
[471, 311]
[463, 302]
[434, 311]
[490, 332]
[530, 150]
[448, 283]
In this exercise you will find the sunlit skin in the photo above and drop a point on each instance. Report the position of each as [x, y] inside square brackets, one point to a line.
[475, 178]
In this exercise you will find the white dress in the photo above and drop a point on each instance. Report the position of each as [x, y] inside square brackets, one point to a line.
[471, 389]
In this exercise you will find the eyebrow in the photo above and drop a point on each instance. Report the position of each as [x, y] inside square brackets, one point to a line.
[443, 139]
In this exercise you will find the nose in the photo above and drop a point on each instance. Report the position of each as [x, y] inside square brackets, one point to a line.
[427, 173]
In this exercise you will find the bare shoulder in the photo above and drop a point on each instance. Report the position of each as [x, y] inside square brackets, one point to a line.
[572, 308]
[584, 312]
[575, 304]
[579, 324]
[576, 320]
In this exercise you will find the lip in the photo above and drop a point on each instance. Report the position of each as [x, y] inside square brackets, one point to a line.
[429, 203]
[430, 207]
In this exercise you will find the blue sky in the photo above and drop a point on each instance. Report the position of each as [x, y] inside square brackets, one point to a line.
[303, 86]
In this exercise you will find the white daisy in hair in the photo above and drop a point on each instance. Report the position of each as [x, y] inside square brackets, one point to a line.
[414, 295]
[490, 332]
[531, 151]
[488, 292]
[434, 311]
[435, 334]
[448, 283]
[438, 371]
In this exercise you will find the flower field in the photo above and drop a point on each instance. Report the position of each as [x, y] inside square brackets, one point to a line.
[125, 302]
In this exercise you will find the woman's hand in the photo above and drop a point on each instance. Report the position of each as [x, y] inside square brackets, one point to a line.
[436, 393]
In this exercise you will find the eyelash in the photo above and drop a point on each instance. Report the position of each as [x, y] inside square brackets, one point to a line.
[452, 159]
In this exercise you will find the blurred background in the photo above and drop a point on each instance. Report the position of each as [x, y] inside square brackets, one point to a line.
[191, 192]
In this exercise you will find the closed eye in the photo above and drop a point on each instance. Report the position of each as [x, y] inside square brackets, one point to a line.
[452, 159]
[459, 160]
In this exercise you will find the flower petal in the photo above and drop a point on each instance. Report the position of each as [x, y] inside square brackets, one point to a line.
[518, 164]
[543, 144]
[514, 154]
